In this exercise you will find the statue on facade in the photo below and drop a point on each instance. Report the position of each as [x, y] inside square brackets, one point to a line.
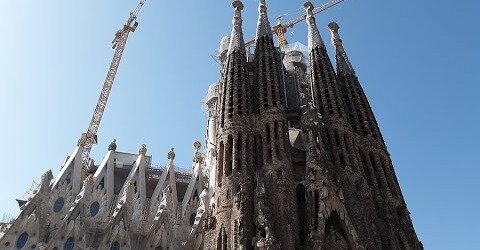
[113, 145]
[171, 154]
[198, 158]
[143, 150]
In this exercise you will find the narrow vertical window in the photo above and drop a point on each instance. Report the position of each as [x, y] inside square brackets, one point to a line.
[238, 153]
[219, 241]
[342, 159]
[267, 133]
[316, 205]
[259, 151]
[228, 156]
[365, 167]
[347, 143]
[224, 240]
[269, 155]
[220, 163]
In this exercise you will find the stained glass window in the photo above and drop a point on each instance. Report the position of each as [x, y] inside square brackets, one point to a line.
[69, 244]
[94, 208]
[58, 205]
[22, 240]
[115, 246]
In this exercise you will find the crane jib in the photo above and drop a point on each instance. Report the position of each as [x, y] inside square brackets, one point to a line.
[88, 139]
[289, 24]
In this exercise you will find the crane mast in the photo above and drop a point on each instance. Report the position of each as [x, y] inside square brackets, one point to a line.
[89, 138]
[280, 29]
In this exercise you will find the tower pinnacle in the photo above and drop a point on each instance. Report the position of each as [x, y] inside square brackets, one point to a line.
[236, 38]
[314, 38]
[263, 25]
[343, 63]
[326, 92]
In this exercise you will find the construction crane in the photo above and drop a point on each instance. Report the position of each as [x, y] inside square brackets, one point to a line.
[89, 138]
[281, 28]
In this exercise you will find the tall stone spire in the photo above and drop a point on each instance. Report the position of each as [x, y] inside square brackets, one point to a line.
[263, 25]
[326, 92]
[236, 98]
[233, 195]
[236, 38]
[343, 63]
[271, 137]
[269, 84]
[360, 113]
[314, 38]
[373, 165]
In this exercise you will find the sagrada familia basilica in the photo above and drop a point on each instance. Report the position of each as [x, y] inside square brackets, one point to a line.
[293, 159]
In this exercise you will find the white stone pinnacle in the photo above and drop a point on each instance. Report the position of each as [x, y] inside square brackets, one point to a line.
[314, 37]
[344, 65]
[236, 37]
[263, 25]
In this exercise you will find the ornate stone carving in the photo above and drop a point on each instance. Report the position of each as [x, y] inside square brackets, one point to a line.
[143, 150]
[113, 145]
[171, 154]
[198, 155]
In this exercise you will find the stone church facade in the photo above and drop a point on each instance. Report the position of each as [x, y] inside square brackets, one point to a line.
[293, 159]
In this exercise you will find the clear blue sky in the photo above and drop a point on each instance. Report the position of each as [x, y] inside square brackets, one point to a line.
[417, 60]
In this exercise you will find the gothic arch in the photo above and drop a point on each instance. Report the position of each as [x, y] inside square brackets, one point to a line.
[336, 234]
[222, 239]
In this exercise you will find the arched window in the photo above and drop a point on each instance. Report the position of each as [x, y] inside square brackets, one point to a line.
[58, 205]
[335, 235]
[219, 241]
[69, 244]
[115, 246]
[94, 208]
[224, 239]
[22, 240]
